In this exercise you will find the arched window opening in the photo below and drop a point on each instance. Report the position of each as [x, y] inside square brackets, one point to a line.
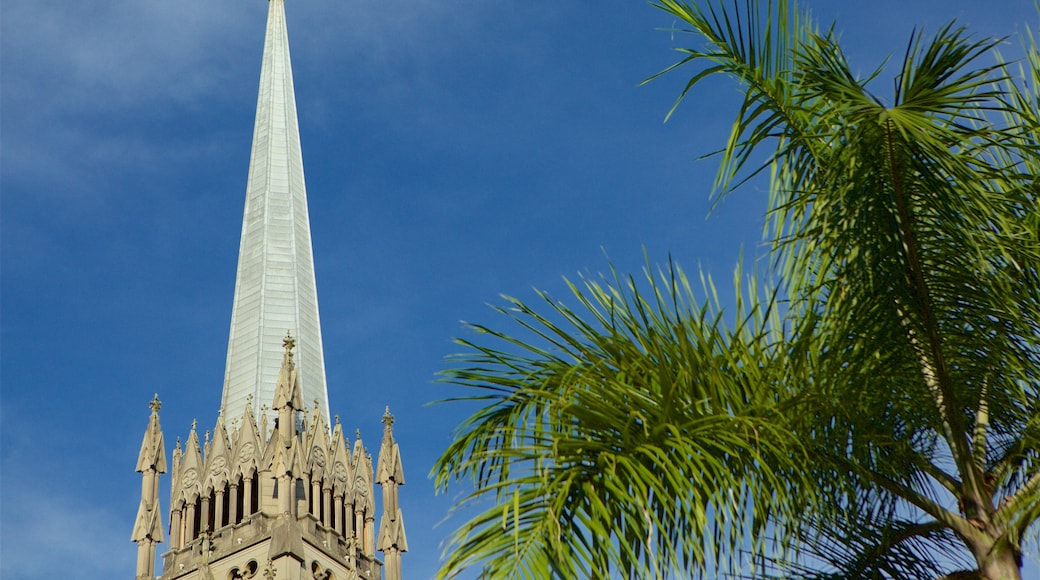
[212, 511]
[333, 515]
[225, 514]
[318, 572]
[235, 503]
[254, 496]
[319, 502]
[196, 520]
[243, 573]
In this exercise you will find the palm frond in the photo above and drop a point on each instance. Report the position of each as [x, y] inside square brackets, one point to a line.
[635, 433]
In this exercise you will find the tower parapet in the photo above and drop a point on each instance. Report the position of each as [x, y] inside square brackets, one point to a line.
[300, 498]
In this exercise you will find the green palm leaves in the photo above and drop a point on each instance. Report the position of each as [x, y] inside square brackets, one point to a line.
[881, 411]
[633, 434]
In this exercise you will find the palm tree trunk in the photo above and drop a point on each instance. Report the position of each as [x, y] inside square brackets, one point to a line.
[999, 563]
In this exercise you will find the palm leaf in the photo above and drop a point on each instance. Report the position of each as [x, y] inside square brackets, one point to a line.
[637, 437]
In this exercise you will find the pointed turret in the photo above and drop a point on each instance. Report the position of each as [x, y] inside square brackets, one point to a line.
[287, 400]
[286, 462]
[246, 450]
[318, 469]
[187, 491]
[343, 480]
[218, 476]
[389, 476]
[274, 289]
[151, 462]
[364, 498]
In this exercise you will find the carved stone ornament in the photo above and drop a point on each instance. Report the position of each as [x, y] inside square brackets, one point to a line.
[219, 463]
[246, 453]
[190, 477]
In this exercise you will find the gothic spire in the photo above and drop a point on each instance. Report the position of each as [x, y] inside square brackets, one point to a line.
[151, 461]
[390, 475]
[274, 289]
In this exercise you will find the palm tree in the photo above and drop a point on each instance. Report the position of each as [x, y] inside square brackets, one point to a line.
[874, 414]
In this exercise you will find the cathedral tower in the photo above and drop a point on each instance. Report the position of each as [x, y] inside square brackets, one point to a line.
[274, 490]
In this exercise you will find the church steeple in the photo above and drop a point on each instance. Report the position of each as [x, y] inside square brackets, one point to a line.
[292, 500]
[274, 290]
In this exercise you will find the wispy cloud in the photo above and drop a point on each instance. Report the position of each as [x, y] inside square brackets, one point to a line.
[109, 55]
[47, 534]
[116, 53]
[85, 84]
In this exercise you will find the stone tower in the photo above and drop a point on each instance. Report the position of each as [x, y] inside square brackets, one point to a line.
[274, 490]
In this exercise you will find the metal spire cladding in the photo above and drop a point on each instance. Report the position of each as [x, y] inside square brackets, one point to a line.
[275, 291]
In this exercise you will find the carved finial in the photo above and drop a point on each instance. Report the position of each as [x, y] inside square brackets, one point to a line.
[288, 342]
[194, 424]
[388, 419]
[207, 436]
[178, 447]
[269, 571]
[155, 404]
[317, 404]
[357, 433]
[337, 419]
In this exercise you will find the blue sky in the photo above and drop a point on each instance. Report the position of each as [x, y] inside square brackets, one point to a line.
[454, 151]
